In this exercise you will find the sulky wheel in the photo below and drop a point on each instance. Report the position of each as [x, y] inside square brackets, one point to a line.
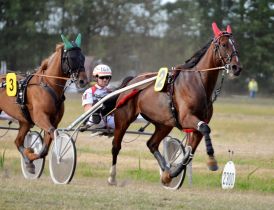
[62, 159]
[33, 140]
[173, 152]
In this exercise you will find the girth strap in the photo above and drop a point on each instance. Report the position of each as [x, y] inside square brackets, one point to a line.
[170, 92]
[22, 98]
[51, 91]
[58, 101]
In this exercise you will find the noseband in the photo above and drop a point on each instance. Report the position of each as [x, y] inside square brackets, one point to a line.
[72, 62]
[228, 58]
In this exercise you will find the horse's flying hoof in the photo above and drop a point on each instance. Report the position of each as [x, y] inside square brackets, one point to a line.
[30, 167]
[166, 179]
[112, 181]
[212, 164]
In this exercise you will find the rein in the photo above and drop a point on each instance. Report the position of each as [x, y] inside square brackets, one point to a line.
[226, 67]
[41, 75]
[190, 70]
[55, 77]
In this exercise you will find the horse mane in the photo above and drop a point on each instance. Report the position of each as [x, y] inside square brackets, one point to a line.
[46, 62]
[191, 62]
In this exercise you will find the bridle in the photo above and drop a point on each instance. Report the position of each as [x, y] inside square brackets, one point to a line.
[72, 62]
[219, 49]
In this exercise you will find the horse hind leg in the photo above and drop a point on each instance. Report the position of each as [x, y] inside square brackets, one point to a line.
[153, 143]
[120, 129]
[116, 147]
[27, 153]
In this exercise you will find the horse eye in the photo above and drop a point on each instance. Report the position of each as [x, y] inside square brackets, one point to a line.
[223, 45]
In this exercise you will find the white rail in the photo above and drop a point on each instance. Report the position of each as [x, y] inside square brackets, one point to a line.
[99, 104]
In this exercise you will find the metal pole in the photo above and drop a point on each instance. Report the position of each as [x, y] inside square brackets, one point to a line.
[189, 173]
[8, 128]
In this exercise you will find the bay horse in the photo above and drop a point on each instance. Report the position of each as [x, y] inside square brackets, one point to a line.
[44, 96]
[187, 106]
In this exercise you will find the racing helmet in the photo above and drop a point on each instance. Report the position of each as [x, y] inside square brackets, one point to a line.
[102, 70]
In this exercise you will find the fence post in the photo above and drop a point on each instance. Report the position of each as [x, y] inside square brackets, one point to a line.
[3, 69]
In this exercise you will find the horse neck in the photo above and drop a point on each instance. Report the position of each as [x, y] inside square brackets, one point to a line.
[54, 69]
[209, 78]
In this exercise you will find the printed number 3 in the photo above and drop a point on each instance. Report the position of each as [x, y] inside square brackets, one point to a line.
[11, 86]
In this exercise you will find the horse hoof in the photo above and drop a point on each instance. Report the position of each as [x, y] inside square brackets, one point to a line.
[112, 181]
[30, 168]
[212, 164]
[28, 150]
[166, 179]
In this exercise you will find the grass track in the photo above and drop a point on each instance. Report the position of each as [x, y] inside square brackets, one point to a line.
[239, 124]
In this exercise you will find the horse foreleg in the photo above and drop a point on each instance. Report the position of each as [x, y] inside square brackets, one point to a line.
[205, 131]
[42, 120]
[45, 147]
[202, 129]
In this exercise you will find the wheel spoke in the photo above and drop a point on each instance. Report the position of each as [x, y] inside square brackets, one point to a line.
[62, 160]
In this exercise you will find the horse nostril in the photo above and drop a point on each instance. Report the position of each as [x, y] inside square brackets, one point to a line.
[234, 67]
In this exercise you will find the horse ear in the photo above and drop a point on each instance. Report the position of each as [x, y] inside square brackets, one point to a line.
[78, 40]
[228, 29]
[215, 29]
[67, 44]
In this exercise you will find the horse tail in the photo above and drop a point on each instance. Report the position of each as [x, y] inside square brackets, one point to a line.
[124, 82]
[110, 103]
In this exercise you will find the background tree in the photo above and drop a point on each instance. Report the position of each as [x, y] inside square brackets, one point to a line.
[137, 36]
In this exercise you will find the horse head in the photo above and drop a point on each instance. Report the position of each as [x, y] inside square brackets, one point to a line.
[225, 49]
[73, 61]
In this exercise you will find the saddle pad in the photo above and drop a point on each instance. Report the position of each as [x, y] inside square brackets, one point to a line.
[127, 97]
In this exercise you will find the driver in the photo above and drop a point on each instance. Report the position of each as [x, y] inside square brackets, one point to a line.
[102, 74]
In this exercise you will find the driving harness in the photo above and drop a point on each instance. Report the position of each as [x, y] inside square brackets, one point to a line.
[21, 97]
[170, 92]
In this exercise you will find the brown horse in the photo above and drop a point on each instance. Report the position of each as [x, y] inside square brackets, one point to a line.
[186, 103]
[44, 96]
